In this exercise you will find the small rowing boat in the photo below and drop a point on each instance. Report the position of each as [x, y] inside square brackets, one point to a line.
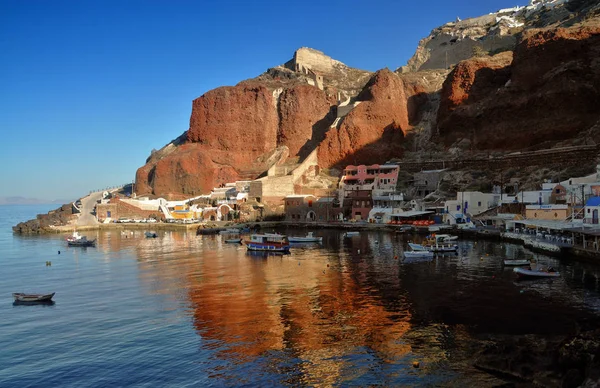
[538, 273]
[22, 297]
[233, 241]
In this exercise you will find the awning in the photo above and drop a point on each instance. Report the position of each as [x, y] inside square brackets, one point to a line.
[411, 213]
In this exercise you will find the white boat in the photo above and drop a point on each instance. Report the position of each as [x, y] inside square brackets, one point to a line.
[269, 242]
[308, 238]
[233, 241]
[350, 234]
[537, 273]
[21, 297]
[435, 247]
[77, 240]
[446, 237]
[517, 262]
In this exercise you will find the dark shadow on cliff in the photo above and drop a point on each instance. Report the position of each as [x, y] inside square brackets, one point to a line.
[319, 130]
[389, 145]
[418, 104]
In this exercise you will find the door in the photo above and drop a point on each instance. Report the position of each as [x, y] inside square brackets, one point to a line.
[595, 216]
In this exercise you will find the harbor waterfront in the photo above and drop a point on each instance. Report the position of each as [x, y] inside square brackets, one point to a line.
[190, 310]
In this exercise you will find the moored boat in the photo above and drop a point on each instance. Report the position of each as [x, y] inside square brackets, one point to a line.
[517, 262]
[151, 234]
[22, 297]
[350, 234]
[233, 241]
[537, 273]
[308, 238]
[269, 242]
[446, 237]
[434, 247]
[77, 240]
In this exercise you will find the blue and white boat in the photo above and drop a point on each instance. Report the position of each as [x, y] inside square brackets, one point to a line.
[269, 242]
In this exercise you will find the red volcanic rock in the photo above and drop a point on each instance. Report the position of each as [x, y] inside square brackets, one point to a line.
[241, 120]
[189, 171]
[541, 53]
[373, 130]
[473, 79]
[552, 96]
[304, 112]
[143, 179]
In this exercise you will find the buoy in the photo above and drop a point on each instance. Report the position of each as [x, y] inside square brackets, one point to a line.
[358, 251]
[415, 364]
[59, 252]
[395, 257]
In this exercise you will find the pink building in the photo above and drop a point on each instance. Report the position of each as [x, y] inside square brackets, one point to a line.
[382, 178]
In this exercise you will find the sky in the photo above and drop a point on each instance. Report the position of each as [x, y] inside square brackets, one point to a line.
[89, 88]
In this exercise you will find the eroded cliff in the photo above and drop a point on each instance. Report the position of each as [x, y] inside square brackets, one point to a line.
[539, 91]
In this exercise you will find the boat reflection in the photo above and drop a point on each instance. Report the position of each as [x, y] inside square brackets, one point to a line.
[265, 253]
[45, 303]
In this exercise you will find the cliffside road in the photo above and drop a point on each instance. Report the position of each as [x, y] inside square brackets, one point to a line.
[87, 207]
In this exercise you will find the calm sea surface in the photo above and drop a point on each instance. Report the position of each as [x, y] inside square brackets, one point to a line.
[186, 310]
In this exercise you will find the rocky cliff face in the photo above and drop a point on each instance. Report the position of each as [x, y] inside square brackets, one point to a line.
[539, 89]
[547, 94]
[374, 129]
[497, 32]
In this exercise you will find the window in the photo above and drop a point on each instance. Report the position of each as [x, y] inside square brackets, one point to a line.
[588, 211]
[557, 191]
[457, 207]
[479, 203]
[309, 203]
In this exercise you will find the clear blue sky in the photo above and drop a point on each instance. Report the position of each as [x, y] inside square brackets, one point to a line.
[88, 88]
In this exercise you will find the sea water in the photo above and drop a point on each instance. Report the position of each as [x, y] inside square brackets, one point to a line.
[186, 310]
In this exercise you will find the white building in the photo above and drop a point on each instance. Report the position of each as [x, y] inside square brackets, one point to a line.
[467, 204]
[384, 206]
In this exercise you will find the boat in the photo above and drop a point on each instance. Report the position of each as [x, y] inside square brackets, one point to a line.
[536, 273]
[435, 245]
[151, 234]
[233, 241]
[446, 237]
[22, 297]
[308, 238]
[350, 234]
[268, 242]
[77, 240]
[517, 262]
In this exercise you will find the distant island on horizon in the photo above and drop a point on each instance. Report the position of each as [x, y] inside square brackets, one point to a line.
[30, 201]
